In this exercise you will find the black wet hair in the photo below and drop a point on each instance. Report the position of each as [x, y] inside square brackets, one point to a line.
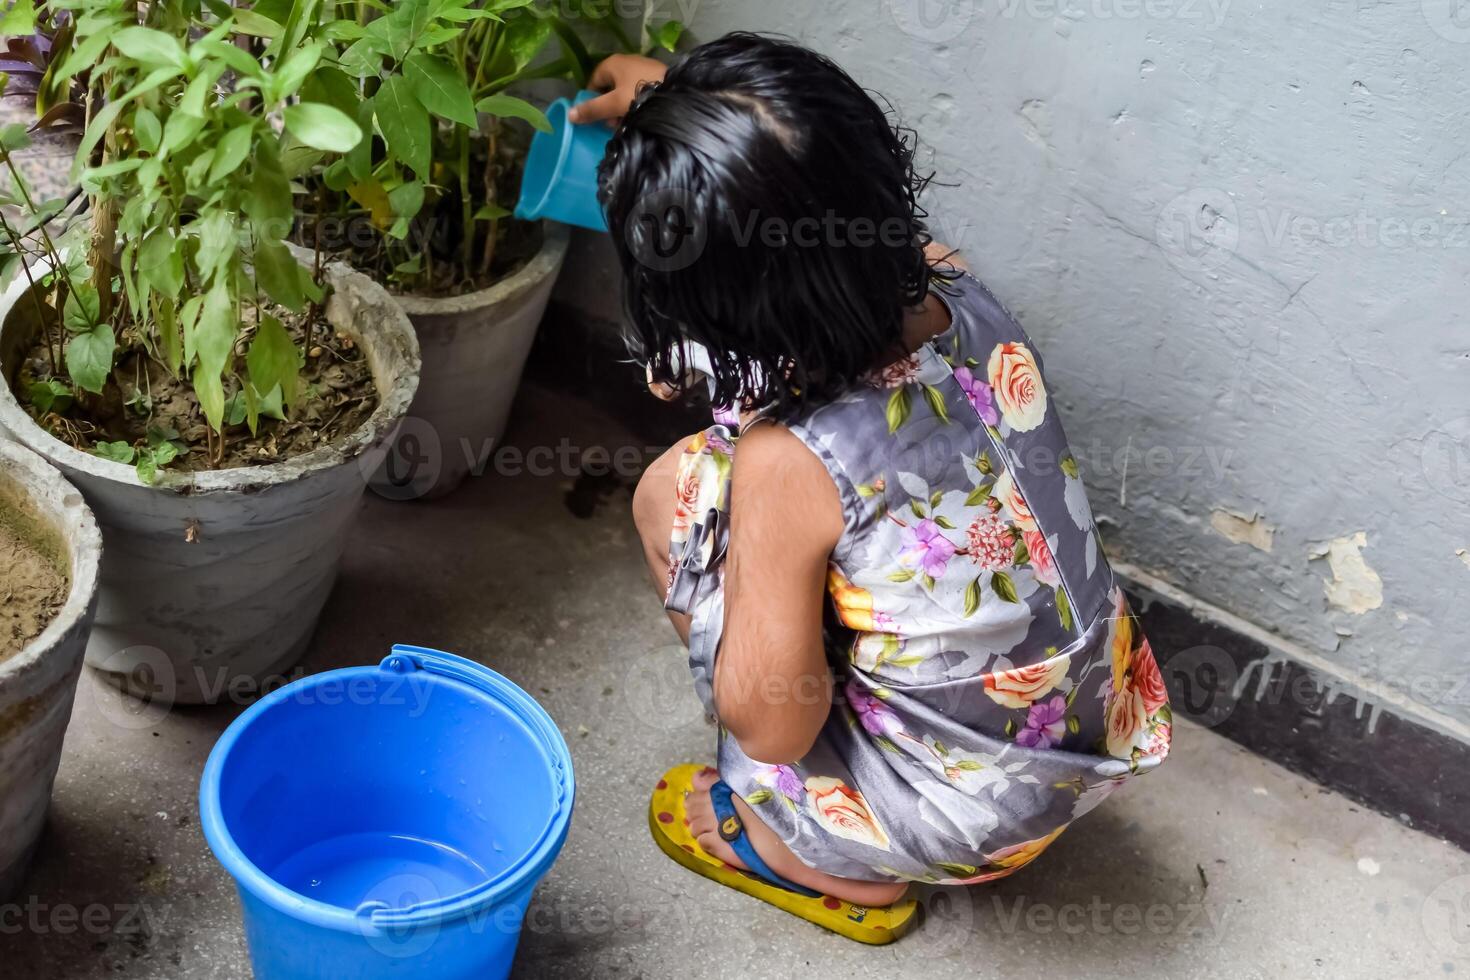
[764, 206]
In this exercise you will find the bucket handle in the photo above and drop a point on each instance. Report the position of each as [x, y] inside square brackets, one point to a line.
[401, 660]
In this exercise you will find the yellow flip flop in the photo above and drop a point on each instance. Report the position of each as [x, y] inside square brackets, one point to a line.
[670, 828]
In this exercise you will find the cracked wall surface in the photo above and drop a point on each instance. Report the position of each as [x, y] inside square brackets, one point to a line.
[1240, 235]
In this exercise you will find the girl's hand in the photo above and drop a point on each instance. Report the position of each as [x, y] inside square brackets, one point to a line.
[618, 78]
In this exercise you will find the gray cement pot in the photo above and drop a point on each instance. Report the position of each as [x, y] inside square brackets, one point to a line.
[214, 580]
[474, 349]
[37, 682]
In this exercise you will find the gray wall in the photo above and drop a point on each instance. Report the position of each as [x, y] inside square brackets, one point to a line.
[1240, 234]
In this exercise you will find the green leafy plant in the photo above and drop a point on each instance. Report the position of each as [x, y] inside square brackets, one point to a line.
[189, 185]
[208, 131]
[429, 80]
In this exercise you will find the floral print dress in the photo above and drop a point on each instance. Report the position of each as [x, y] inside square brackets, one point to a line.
[993, 685]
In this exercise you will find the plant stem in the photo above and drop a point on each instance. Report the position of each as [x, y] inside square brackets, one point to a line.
[467, 233]
[46, 331]
[490, 226]
[314, 309]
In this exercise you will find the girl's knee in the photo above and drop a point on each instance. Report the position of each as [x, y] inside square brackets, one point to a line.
[653, 498]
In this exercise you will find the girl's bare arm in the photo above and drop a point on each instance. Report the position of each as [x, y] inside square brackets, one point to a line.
[772, 687]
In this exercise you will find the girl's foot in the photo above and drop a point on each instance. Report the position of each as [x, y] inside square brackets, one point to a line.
[703, 825]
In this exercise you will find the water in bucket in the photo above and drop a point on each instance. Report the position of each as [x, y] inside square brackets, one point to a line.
[388, 821]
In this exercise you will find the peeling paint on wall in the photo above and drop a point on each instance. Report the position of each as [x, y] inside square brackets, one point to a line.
[1354, 586]
[1242, 528]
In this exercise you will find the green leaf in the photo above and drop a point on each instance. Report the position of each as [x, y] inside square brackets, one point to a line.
[1020, 555]
[82, 309]
[89, 357]
[198, 169]
[210, 391]
[406, 199]
[958, 870]
[944, 522]
[188, 321]
[332, 87]
[238, 60]
[904, 575]
[1069, 467]
[1003, 587]
[214, 334]
[508, 106]
[237, 408]
[268, 202]
[274, 360]
[1074, 724]
[760, 796]
[364, 57]
[280, 276]
[360, 159]
[50, 396]
[166, 330]
[118, 452]
[972, 598]
[104, 119]
[667, 34]
[13, 137]
[198, 97]
[524, 37]
[898, 409]
[153, 48]
[491, 212]
[252, 23]
[289, 76]
[218, 240]
[1064, 609]
[935, 398]
[322, 127]
[978, 496]
[161, 263]
[93, 177]
[405, 124]
[441, 87]
[20, 19]
[180, 131]
[147, 129]
[230, 152]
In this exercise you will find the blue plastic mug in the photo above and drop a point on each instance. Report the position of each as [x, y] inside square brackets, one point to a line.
[388, 821]
[560, 180]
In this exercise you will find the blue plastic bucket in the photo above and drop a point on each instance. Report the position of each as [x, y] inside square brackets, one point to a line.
[560, 180]
[388, 821]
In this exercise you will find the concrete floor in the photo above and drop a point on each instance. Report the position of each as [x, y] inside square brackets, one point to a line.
[1219, 865]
